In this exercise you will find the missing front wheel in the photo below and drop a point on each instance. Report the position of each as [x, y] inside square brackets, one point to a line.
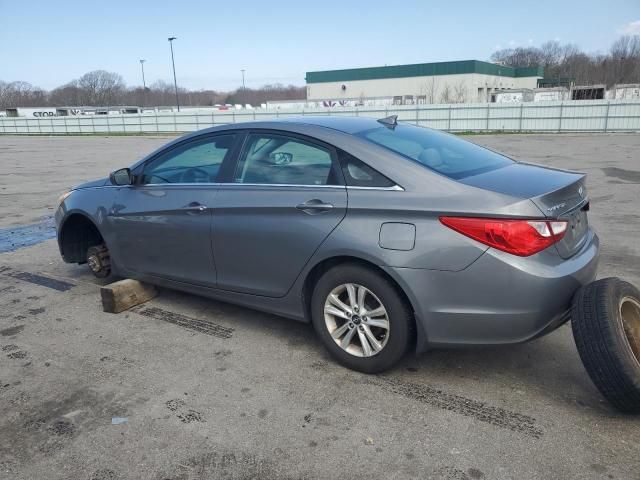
[99, 260]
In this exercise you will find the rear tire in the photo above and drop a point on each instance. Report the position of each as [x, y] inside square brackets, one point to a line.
[379, 340]
[99, 260]
[606, 327]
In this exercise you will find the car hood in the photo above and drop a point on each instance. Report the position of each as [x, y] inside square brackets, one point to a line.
[93, 183]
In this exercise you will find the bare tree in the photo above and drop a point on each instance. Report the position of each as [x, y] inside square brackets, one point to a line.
[460, 92]
[429, 90]
[21, 94]
[268, 92]
[66, 95]
[620, 65]
[101, 87]
[521, 56]
[625, 59]
[446, 96]
[104, 89]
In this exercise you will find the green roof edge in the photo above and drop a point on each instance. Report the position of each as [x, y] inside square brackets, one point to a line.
[422, 70]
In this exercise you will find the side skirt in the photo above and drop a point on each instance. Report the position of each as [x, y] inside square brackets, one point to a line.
[289, 306]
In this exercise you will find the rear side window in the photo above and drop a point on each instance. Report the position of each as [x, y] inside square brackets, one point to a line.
[439, 151]
[282, 160]
[359, 174]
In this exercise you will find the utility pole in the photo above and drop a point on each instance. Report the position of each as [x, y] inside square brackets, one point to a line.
[173, 63]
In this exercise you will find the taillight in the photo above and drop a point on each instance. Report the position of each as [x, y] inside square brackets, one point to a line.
[518, 237]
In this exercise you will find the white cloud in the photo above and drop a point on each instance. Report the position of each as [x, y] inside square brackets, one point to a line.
[631, 28]
[512, 43]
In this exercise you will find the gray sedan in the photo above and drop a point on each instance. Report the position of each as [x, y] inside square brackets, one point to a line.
[386, 236]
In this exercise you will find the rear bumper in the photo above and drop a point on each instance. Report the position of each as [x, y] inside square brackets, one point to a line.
[498, 299]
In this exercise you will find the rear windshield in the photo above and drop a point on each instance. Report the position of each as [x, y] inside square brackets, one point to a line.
[441, 152]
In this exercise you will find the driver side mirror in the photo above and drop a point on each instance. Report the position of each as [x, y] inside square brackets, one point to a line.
[121, 177]
[281, 158]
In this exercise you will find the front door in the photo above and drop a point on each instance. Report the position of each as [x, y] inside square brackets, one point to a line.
[284, 199]
[163, 222]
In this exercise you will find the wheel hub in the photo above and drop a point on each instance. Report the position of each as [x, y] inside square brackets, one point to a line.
[630, 313]
[357, 320]
[94, 263]
[99, 261]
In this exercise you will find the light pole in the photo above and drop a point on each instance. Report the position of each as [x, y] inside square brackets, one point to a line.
[173, 63]
[144, 84]
[244, 89]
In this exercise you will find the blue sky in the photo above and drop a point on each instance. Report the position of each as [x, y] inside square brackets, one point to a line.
[49, 43]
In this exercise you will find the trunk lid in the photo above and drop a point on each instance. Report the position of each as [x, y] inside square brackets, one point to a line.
[559, 194]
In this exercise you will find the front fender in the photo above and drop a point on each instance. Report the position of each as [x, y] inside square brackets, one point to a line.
[94, 204]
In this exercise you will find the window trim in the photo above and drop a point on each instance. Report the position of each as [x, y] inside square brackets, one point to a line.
[393, 188]
[228, 179]
[229, 158]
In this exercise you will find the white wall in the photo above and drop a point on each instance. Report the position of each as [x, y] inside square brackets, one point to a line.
[509, 97]
[37, 112]
[550, 95]
[627, 93]
[472, 87]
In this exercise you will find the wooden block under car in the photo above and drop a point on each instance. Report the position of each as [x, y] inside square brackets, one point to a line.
[124, 294]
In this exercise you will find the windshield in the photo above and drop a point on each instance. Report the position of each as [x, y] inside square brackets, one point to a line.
[441, 152]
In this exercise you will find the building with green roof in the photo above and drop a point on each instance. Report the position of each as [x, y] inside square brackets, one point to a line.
[466, 81]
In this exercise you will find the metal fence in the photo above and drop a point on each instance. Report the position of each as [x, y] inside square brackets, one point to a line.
[566, 116]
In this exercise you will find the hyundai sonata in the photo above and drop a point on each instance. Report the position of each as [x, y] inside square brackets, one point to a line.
[386, 236]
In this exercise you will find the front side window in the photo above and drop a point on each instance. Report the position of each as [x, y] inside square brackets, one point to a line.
[282, 160]
[441, 152]
[194, 162]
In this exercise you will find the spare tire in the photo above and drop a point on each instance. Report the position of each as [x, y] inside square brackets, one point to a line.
[605, 318]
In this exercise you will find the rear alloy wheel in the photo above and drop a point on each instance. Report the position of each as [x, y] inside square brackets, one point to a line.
[99, 261]
[361, 318]
[356, 320]
[606, 328]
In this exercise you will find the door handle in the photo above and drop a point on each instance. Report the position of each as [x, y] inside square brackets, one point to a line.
[315, 206]
[195, 207]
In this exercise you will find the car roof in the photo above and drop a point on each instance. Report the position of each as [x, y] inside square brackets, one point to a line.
[344, 124]
[341, 123]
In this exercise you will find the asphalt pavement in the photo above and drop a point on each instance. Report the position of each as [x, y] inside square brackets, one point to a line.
[188, 388]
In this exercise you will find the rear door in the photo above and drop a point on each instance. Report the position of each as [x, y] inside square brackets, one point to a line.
[282, 199]
[163, 222]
